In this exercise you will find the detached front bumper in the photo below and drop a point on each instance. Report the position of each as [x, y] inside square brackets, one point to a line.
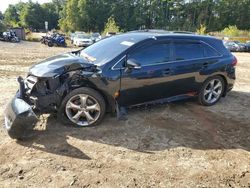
[19, 116]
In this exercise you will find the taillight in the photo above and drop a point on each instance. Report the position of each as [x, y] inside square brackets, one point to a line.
[235, 61]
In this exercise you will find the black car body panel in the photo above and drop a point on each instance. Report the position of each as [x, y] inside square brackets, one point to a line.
[59, 65]
[105, 69]
[19, 117]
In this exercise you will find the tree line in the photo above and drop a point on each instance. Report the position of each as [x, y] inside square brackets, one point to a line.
[91, 15]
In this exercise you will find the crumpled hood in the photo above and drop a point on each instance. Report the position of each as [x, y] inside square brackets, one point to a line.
[58, 65]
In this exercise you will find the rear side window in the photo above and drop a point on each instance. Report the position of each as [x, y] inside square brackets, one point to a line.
[153, 54]
[210, 52]
[193, 50]
[188, 50]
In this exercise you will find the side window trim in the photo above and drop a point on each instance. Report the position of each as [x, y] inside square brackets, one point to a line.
[119, 61]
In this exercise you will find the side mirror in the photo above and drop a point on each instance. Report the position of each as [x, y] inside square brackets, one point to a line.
[132, 64]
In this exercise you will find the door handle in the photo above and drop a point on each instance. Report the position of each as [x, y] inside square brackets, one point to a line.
[166, 71]
[205, 65]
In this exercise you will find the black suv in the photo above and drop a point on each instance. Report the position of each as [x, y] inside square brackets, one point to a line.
[130, 69]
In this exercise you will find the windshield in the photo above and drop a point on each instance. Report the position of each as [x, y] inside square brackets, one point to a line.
[83, 36]
[107, 49]
[95, 34]
[237, 42]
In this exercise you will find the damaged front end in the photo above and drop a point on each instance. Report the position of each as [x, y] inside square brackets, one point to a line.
[19, 115]
[43, 90]
[35, 96]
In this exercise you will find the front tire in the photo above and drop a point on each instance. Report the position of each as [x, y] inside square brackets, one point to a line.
[212, 91]
[82, 107]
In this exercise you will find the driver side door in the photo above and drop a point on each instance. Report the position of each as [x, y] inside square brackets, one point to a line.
[152, 79]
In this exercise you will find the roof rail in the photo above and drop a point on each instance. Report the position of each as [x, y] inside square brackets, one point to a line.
[183, 32]
[162, 31]
[151, 30]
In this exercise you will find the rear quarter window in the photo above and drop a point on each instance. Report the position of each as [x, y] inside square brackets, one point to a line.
[193, 50]
[210, 52]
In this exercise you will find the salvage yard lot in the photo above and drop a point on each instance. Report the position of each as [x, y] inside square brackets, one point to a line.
[173, 145]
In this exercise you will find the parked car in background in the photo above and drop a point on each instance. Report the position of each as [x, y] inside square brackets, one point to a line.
[242, 46]
[248, 46]
[125, 70]
[235, 46]
[82, 40]
[231, 46]
[96, 37]
[109, 34]
[72, 35]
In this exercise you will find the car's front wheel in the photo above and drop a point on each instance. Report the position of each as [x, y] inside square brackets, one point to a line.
[212, 91]
[82, 107]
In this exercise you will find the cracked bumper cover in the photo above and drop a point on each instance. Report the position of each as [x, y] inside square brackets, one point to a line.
[19, 116]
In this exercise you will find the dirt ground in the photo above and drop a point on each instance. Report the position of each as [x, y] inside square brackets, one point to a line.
[173, 145]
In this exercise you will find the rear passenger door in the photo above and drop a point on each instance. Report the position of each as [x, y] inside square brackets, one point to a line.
[190, 57]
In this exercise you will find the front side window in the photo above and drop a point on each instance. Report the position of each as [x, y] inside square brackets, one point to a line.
[153, 54]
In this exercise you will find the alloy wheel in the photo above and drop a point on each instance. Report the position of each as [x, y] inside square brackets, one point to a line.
[83, 110]
[213, 91]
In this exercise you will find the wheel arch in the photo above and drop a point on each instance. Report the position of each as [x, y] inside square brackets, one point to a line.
[226, 84]
[225, 81]
[109, 100]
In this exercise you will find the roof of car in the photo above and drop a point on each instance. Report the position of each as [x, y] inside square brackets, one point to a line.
[138, 36]
[161, 33]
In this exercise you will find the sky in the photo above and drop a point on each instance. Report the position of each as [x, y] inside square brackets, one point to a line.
[5, 3]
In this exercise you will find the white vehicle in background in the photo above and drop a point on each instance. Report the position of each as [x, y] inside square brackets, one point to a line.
[82, 40]
[110, 34]
[72, 35]
[96, 37]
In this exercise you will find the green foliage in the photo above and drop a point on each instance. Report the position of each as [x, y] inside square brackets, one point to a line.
[11, 16]
[91, 15]
[33, 15]
[2, 27]
[201, 30]
[70, 17]
[111, 26]
[231, 31]
[1, 15]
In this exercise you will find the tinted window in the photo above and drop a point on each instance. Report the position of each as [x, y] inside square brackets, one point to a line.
[188, 50]
[154, 54]
[210, 52]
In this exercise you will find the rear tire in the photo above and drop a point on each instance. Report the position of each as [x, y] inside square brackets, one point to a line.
[212, 91]
[73, 104]
[50, 44]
